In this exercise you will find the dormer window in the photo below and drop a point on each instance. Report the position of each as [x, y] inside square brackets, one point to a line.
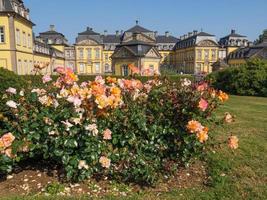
[15, 8]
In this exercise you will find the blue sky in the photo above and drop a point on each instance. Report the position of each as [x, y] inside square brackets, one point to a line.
[248, 17]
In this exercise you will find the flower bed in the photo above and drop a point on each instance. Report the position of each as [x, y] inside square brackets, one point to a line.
[120, 128]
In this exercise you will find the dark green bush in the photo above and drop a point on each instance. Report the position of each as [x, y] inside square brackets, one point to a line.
[10, 79]
[249, 79]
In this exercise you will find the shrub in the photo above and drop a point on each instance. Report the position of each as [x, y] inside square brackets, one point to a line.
[249, 79]
[10, 79]
[121, 128]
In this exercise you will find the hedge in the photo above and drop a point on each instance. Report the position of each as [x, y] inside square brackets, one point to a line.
[249, 79]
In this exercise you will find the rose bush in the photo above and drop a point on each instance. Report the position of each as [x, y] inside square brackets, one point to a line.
[121, 128]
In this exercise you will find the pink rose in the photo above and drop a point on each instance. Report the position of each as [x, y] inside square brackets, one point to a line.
[46, 78]
[203, 104]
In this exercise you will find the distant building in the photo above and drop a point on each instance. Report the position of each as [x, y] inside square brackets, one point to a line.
[232, 42]
[241, 55]
[137, 47]
[105, 53]
[196, 52]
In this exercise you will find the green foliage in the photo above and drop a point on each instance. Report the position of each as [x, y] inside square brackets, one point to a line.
[10, 79]
[149, 134]
[54, 188]
[248, 80]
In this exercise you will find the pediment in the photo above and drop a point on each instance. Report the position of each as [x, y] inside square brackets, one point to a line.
[122, 53]
[87, 42]
[153, 53]
[140, 37]
[207, 43]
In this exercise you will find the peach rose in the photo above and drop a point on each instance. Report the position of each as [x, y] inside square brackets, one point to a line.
[228, 118]
[107, 134]
[233, 142]
[7, 139]
[194, 126]
[104, 161]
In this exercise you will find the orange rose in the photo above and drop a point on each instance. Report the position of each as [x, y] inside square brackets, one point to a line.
[194, 126]
[115, 91]
[223, 96]
[203, 135]
[111, 80]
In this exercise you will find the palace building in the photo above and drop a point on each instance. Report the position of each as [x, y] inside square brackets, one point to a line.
[196, 52]
[241, 55]
[104, 53]
[19, 50]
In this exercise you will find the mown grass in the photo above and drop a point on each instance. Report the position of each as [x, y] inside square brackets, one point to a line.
[239, 174]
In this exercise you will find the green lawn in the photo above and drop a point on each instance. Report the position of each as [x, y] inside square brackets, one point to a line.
[241, 174]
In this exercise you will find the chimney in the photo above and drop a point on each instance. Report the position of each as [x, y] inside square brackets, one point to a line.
[136, 22]
[167, 33]
[88, 28]
[190, 34]
[121, 32]
[1, 5]
[232, 31]
[105, 32]
[156, 33]
[52, 27]
[194, 32]
[117, 33]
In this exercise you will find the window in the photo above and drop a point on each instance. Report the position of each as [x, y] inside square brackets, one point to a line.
[16, 8]
[107, 67]
[30, 67]
[81, 53]
[125, 71]
[89, 53]
[198, 68]
[213, 54]
[2, 34]
[25, 68]
[29, 41]
[199, 54]
[19, 67]
[24, 39]
[97, 67]
[151, 69]
[97, 53]
[18, 36]
[72, 54]
[206, 54]
[67, 54]
[106, 56]
[71, 65]
[82, 66]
